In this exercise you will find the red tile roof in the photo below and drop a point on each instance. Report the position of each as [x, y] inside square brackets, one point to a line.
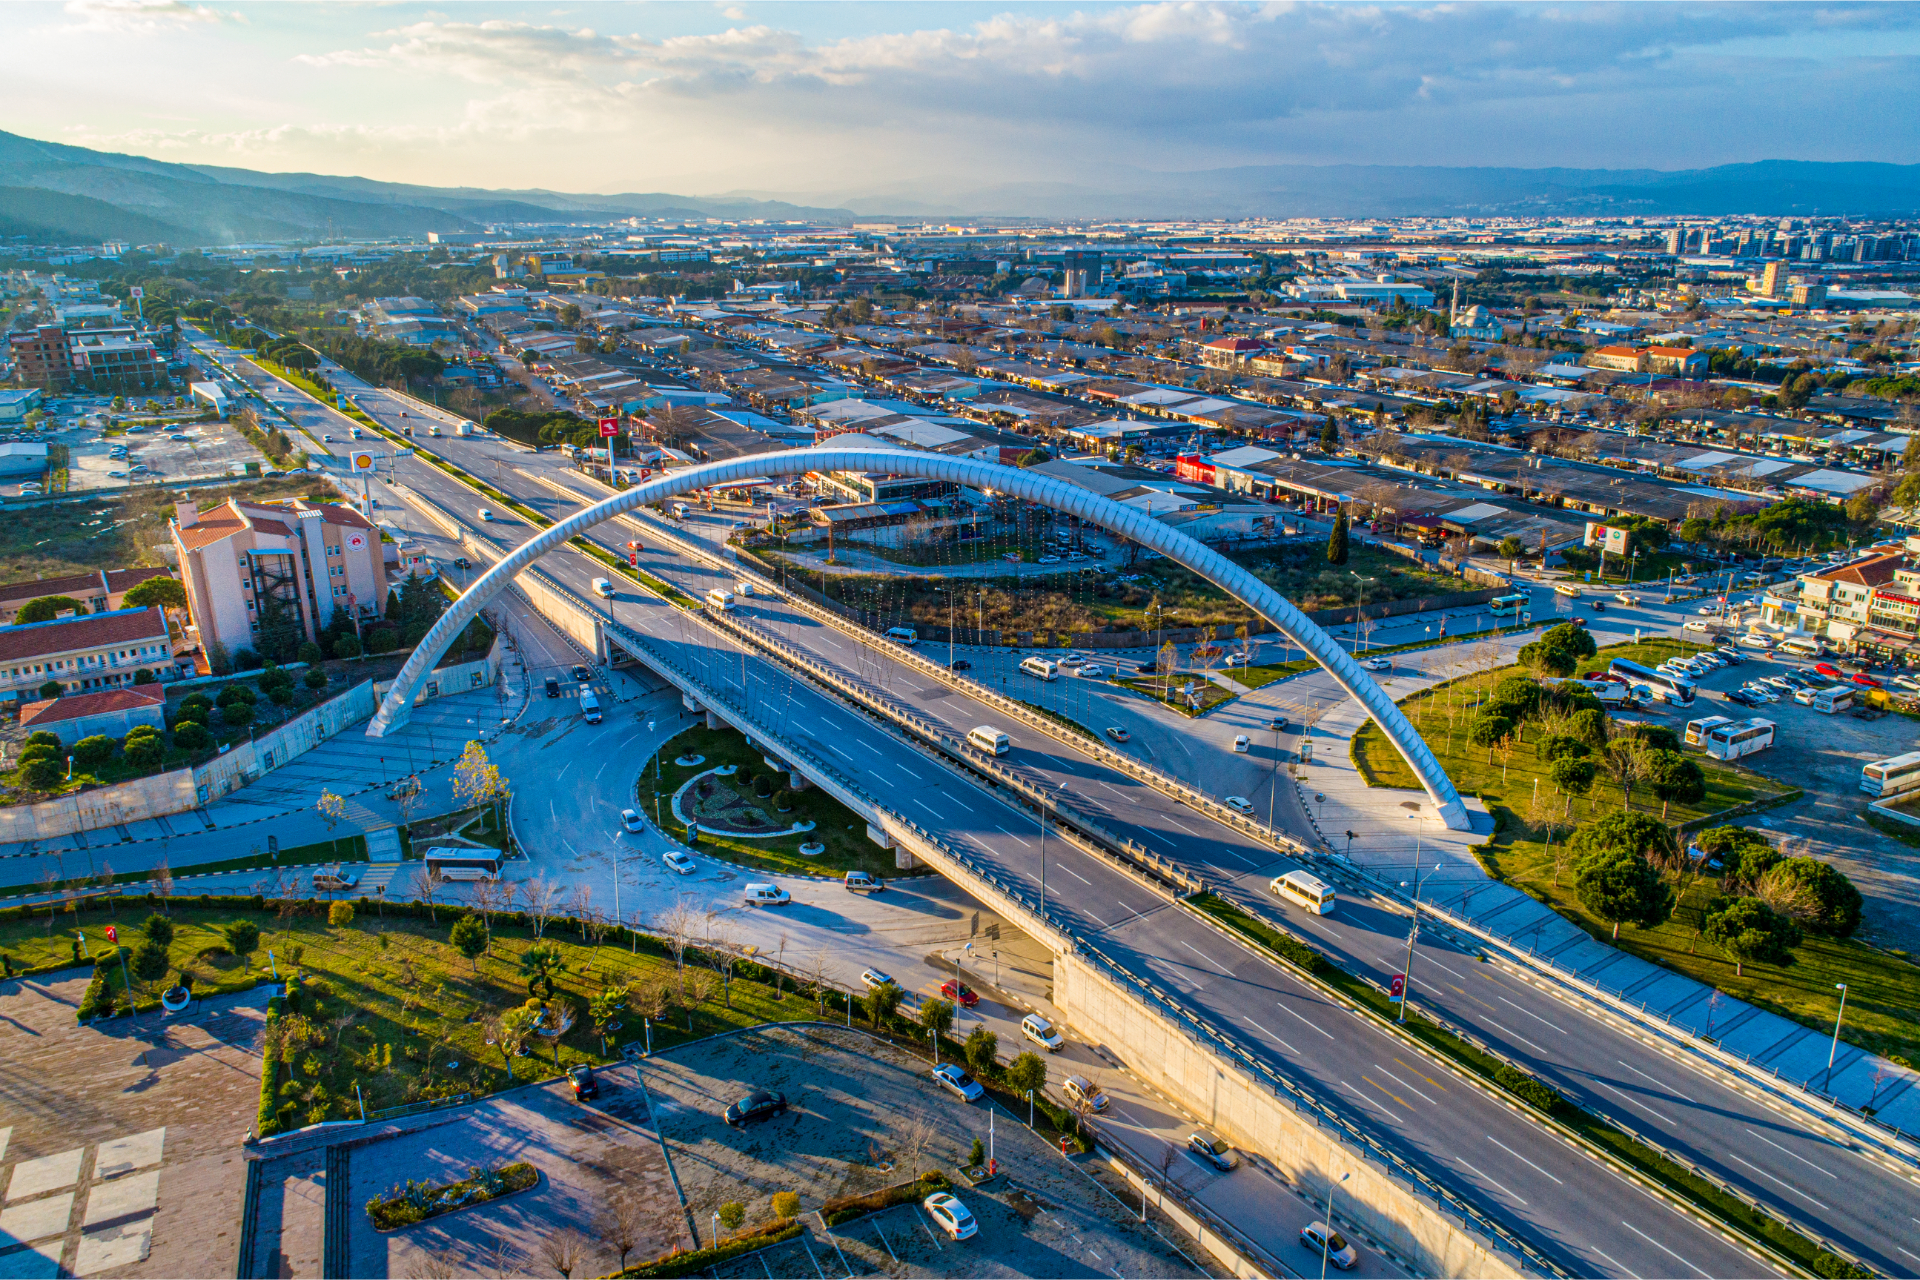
[93, 631]
[119, 580]
[75, 705]
[215, 525]
[24, 591]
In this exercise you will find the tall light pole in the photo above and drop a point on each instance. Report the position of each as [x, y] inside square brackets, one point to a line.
[1406, 986]
[1326, 1240]
[1834, 1048]
[1273, 784]
[1043, 845]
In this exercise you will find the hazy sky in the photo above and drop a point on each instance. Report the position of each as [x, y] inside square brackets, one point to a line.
[827, 100]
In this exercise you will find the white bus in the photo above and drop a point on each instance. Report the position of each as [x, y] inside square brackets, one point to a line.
[1044, 668]
[1740, 738]
[1892, 777]
[1803, 647]
[1832, 699]
[903, 636]
[720, 598]
[989, 739]
[463, 864]
[1303, 890]
[1697, 730]
[1510, 606]
[1676, 689]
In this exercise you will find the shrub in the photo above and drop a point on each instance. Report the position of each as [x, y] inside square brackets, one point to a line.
[383, 640]
[44, 738]
[315, 679]
[340, 914]
[346, 647]
[158, 928]
[786, 1205]
[144, 750]
[192, 736]
[150, 961]
[310, 653]
[1526, 1088]
[1820, 895]
[41, 773]
[38, 751]
[237, 714]
[732, 1214]
[236, 693]
[243, 936]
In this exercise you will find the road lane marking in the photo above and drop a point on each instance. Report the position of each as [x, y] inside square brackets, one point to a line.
[1455, 972]
[1635, 1102]
[1476, 1173]
[1802, 1159]
[1392, 1119]
[1522, 1159]
[1770, 1178]
[1423, 1075]
[1204, 956]
[1390, 1093]
[837, 751]
[1402, 1083]
[1662, 1248]
[1005, 832]
[1537, 1018]
[1663, 1084]
[1075, 874]
[929, 808]
[1623, 1270]
[1269, 1035]
[1516, 1035]
[1183, 826]
[1290, 1013]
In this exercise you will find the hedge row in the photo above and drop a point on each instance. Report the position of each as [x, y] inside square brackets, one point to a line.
[847, 1208]
[687, 1262]
[1526, 1088]
[99, 999]
[267, 1122]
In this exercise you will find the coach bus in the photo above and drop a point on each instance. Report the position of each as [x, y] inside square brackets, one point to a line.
[1891, 777]
[1741, 738]
[1675, 689]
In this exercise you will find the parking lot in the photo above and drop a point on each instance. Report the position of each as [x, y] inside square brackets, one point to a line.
[137, 455]
[1823, 755]
[860, 1115]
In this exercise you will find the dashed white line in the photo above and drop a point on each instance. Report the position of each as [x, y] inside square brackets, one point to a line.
[1770, 1178]
[1075, 874]
[1516, 1035]
[1536, 1017]
[1204, 956]
[1005, 832]
[1802, 1159]
[1663, 1084]
[1291, 1014]
[1269, 1035]
[1635, 1102]
[1522, 1159]
[1662, 1248]
[1391, 1118]
[1602, 1253]
[1402, 1083]
[929, 808]
[1476, 1173]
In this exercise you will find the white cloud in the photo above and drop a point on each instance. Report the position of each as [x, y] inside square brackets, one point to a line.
[140, 16]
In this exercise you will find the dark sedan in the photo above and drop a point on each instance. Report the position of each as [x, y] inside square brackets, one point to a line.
[756, 1106]
[581, 675]
[584, 1085]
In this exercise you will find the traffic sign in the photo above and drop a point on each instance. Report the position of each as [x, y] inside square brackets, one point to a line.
[1397, 987]
[609, 428]
[361, 460]
[137, 292]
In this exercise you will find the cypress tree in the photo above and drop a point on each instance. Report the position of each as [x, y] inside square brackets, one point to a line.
[1337, 541]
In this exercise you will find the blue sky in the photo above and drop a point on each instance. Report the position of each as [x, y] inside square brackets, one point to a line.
[831, 100]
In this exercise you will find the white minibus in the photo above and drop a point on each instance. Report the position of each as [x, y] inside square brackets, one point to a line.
[720, 598]
[1044, 668]
[1834, 698]
[903, 635]
[989, 739]
[1803, 647]
[1303, 890]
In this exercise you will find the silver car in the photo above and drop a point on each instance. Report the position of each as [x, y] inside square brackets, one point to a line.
[1211, 1149]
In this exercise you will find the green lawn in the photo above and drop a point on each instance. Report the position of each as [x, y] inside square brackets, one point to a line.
[841, 830]
[1883, 991]
[397, 1005]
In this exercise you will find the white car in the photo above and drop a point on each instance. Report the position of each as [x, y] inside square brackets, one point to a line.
[1049, 560]
[1242, 743]
[1626, 597]
[1081, 1091]
[1805, 697]
[957, 1081]
[679, 862]
[1330, 1244]
[1781, 683]
[1240, 805]
[1376, 664]
[762, 894]
[1706, 611]
[876, 978]
[1041, 1032]
[1759, 690]
[1907, 682]
[951, 1216]
[630, 819]
[1093, 671]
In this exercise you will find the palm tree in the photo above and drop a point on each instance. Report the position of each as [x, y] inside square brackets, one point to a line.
[538, 964]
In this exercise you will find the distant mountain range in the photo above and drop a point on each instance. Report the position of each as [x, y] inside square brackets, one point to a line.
[53, 192]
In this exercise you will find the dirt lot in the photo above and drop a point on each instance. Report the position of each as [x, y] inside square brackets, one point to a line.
[1823, 755]
[857, 1108]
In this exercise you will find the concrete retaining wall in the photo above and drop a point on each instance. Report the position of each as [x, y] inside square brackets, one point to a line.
[105, 807]
[1252, 1115]
[250, 761]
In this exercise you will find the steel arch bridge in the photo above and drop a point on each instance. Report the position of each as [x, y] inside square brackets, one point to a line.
[868, 454]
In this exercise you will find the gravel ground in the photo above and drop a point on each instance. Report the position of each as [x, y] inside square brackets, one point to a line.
[857, 1108]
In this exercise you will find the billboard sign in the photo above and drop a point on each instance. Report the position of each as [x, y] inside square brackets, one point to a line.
[609, 428]
[1607, 538]
[361, 460]
[1194, 469]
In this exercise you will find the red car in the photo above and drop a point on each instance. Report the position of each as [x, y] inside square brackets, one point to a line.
[1830, 671]
[1863, 679]
[959, 992]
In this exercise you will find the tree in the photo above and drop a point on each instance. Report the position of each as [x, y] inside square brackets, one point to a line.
[880, 1003]
[157, 593]
[1027, 1073]
[538, 965]
[158, 929]
[46, 609]
[1511, 549]
[143, 747]
[936, 1016]
[785, 1205]
[1744, 856]
[982, 1049]
[469, 938]
[1337, 540]
[1614, 874]
[1749, 930]
[621, 1225]
[237, 714]
[332, 809]
[1674, 777]
[732, 1214]
[1488, 730]
[1828, 902]
[52, 689]
[242, 937]
[564, 1250]
[150, 961]
[340, 915]
[478, 781]
[92, 752]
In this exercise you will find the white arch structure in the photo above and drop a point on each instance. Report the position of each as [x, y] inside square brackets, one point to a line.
[869, 454]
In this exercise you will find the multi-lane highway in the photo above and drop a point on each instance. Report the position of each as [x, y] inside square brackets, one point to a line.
[1569, 1207]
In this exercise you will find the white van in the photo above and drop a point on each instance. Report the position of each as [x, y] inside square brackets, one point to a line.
[720, 598]
[903, 635]
[1303, 890]
[1044, 668]
[433, 431]
[989, 739]
[485, 514]
[679, 511]
[590, 706]
[603, 588]
[764, 895]
[744, 587]
[1803, 647]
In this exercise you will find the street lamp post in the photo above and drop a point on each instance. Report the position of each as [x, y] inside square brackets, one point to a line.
[1043, 846]
[1834, 1048]
[1413, 931]
[1273, 783]
[1326, 1239]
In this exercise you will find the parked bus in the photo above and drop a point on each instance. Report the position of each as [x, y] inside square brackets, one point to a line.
[1303, 890]
[1741, 738]
[463, 863]
[1674, 689]
[1803, 647]
[1697, 730]
[1510, 606]
[1892, 777]
[1833, 699]
[1045, 668]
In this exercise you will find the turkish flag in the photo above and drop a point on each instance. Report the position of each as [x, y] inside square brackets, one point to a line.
[111, 935]
[1398, 987]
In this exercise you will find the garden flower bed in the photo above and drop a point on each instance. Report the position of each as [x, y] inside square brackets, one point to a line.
[415, 1200]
